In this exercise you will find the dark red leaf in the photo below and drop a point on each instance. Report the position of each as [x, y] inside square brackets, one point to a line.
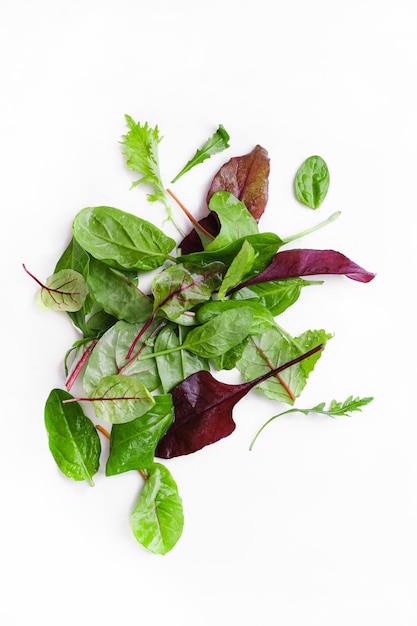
[246, 177]
[304, 262]
[192, 242]
[203, 409]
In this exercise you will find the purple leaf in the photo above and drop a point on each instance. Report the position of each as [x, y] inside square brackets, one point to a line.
[305, 262]
[246, 177]
[203, 409]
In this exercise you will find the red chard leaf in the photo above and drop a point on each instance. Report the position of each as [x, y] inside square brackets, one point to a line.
[246, 177]
[203, 409]
[304, 262]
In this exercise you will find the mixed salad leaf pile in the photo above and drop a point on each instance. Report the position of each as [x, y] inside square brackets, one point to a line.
[145, 360]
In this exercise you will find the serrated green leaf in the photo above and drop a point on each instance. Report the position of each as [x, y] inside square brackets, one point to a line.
[217, 143]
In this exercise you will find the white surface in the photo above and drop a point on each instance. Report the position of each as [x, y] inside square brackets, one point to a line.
[316, 526]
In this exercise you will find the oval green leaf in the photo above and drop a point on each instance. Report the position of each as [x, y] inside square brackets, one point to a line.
[65, 290]
[119, 399]
[158, 517]
[120, 239]
[312, 182]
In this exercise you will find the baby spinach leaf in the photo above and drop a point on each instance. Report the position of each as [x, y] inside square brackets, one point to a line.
[238, 269]
[73, 439]
[65, 290]
[203, 408]
[109, 358]
[217, 143]
[235, 220]
[175, 366]
[220, 334]
[246, 177]
[262, 317]
[121, 239]
[274, 295]
[118, 295]
[118, 399]
[274, 347]
[132, 444]
[312, 182]
[264, 244]
[158, 517]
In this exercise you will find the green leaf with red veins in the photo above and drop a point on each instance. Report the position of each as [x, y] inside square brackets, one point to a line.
[120, 399]
[271, 349]
[178, 288]
[64, 291]
[109, 357]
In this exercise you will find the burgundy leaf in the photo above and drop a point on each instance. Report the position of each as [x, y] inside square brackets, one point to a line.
[304, 262]
[203, 409]
[246, 177]
[192, 242]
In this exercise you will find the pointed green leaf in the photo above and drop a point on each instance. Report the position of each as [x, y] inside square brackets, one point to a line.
[73, 439]
[132, 445]
[217, 143]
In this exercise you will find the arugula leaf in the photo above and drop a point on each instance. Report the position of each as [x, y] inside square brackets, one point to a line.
[217, 143]
[336, 409]
[73, 439]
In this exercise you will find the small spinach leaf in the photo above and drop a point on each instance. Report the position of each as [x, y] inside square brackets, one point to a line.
[312, 182]
[73, 439]
[158, 517]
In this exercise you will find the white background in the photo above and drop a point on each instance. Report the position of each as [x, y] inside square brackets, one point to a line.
[317, 525]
